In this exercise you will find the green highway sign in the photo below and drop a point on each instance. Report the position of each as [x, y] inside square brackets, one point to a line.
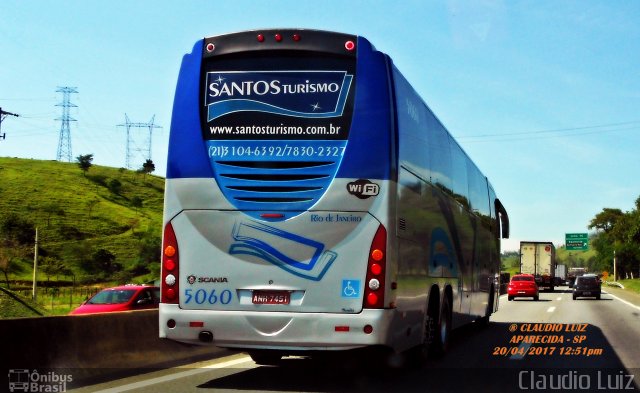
[576, 241]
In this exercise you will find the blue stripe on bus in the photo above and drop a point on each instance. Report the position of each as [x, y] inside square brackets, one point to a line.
[187, 151]
[369, 152]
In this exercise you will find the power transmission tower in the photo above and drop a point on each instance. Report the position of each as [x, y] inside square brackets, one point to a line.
[64, 142]
[4, 114]
[130, 139]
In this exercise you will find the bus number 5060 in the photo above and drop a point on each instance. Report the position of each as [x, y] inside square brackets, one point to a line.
[202, 296]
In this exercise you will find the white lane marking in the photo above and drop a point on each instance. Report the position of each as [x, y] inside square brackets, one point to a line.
[623, 301]
[172, 377]
[551, 309]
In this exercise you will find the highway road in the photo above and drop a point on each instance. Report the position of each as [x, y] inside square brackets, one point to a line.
[555, 343]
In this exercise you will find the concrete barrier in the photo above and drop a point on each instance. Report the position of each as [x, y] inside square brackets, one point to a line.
[89, 346]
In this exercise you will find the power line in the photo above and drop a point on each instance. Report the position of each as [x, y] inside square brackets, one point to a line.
[560, 131]
[3, 115]
[130, 141]
[64, 142]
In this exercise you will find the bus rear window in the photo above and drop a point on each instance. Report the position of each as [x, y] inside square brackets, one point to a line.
[277, 96]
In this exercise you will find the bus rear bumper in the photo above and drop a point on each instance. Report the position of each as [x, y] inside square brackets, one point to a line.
[276, 330]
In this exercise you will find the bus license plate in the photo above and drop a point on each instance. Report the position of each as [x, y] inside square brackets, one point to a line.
[271, 297]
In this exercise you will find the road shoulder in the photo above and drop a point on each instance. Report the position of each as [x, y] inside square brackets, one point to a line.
[623, 294]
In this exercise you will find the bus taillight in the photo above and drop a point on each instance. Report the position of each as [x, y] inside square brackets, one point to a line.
[169, 266]
[349, 45]
[374, 284]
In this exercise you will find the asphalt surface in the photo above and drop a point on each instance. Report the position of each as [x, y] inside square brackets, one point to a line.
[556, 343]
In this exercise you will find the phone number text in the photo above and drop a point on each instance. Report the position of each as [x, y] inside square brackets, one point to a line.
[275, 151]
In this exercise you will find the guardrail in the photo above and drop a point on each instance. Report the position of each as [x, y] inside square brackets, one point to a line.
[90, 346]
[614, 284]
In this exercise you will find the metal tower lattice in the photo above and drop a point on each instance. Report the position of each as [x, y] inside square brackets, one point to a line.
[131, 145]
[64, 142]
[4, 114]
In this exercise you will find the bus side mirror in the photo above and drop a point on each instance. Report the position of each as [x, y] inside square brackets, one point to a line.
[504, 219]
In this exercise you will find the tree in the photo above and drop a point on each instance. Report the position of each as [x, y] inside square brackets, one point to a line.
[148, 167]
[69, 232]
[102, 262]
[52, 209]
[150, 245]
[115, 186]
[85, 162]
[52, 266]
[16, 228]
[91, 203]
[619, 234]
[136, 202]
[16, 238]
[10, 252]
[133, 224]
[606, 219]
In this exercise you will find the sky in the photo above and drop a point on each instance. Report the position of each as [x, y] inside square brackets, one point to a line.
[543, 95]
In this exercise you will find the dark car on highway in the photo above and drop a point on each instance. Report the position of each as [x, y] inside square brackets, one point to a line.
[587, 285]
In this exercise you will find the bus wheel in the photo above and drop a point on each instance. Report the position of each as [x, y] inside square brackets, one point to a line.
[420, 354]
[265, 358]
[441, 342]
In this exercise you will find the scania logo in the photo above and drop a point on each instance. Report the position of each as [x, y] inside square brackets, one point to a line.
[205, 280]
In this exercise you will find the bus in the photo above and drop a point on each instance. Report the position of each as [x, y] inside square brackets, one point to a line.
[315, 204]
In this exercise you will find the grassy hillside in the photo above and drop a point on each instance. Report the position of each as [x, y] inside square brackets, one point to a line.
[14, 306]
[575, 258]
[77, 214]
[510, 264]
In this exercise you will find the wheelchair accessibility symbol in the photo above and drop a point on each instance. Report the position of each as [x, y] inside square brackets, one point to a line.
[350, 288]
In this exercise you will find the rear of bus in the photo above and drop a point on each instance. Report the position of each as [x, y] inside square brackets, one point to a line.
[277, 200]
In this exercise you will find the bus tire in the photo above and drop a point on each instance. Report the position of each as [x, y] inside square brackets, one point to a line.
[421, 353]
[441, 339]
[265, 358]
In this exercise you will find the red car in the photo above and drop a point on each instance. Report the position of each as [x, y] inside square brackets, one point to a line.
[522, 285]
[122, 298]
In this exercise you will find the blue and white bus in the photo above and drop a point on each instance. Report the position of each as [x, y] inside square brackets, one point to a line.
[314, 203]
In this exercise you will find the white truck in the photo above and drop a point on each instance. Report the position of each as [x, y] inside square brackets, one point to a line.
[539, 259]
[575, 272]
[561, 274]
